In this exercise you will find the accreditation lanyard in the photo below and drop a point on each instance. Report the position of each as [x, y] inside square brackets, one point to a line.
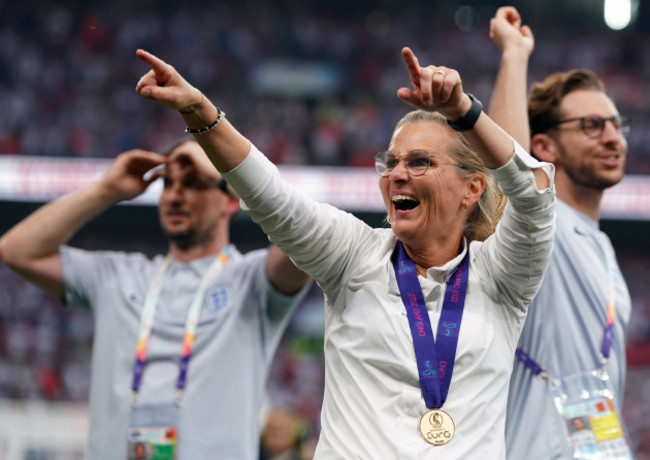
[435, 357]
[608, 335]
[146, 322]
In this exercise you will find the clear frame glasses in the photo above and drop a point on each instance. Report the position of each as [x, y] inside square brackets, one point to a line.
[417, 162]
[594, 125]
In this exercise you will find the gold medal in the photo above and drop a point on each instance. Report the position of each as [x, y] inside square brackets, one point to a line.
[437, 427]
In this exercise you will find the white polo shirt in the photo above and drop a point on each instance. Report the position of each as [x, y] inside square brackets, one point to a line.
[240, 325]
[564, 333]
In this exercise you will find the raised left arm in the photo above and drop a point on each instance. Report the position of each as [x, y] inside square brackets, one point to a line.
[437, 88]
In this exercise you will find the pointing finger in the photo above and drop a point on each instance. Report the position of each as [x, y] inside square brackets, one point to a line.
[156, 64]
[412, 66]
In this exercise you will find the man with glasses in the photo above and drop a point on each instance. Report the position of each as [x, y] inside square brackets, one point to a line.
[571, 355]
[182, 342]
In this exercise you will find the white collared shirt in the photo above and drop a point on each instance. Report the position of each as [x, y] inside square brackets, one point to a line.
[373, 400]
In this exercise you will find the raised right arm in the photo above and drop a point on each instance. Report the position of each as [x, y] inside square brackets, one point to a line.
[31, 248]
[224, 145]
[509, 107]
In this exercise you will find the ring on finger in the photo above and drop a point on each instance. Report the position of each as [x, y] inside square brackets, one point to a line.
[440, 72]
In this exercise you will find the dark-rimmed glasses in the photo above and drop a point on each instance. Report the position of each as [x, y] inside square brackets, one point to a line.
[594, 125]
[417, 162]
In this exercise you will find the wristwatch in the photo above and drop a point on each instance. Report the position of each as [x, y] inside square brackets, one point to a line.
[468, 120]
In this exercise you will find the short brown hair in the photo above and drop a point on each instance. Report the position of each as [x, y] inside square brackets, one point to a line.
[546, 96]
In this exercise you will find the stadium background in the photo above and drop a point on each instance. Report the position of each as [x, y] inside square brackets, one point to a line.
[313, 85]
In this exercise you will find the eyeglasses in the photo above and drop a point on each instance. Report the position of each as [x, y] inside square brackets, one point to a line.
[594, 125]
[417, 162]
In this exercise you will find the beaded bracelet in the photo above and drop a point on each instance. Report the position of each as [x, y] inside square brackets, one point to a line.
[210, 127]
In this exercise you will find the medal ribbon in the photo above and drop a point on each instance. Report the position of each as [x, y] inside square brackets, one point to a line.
[191, 323]
[608, 335]
[435, 357]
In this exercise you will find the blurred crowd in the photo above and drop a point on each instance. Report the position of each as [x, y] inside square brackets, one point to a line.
[308, 82]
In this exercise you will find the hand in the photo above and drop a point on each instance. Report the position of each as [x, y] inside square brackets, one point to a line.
[125, 179]
[434, 88]
[507, 32]
[164, 84]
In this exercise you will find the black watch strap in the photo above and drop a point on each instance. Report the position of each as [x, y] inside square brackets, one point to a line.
[468, 120]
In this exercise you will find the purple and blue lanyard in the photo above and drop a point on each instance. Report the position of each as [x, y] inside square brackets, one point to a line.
[435, 357]
[191, 323]
[608, 335]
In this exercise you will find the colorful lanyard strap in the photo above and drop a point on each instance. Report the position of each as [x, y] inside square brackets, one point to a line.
[146, 323]
[608, 335]
[435, 358]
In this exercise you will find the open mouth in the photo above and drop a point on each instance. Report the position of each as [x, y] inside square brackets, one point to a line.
[404, 203]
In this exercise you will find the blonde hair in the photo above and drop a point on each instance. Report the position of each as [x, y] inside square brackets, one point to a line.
[483, 219]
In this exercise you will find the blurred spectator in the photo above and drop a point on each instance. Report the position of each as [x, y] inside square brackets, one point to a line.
[282, 435]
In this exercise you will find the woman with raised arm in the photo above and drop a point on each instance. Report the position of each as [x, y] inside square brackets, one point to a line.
[422, 318]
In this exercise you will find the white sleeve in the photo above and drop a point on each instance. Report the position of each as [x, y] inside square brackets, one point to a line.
[320, 239]
[516, 255]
